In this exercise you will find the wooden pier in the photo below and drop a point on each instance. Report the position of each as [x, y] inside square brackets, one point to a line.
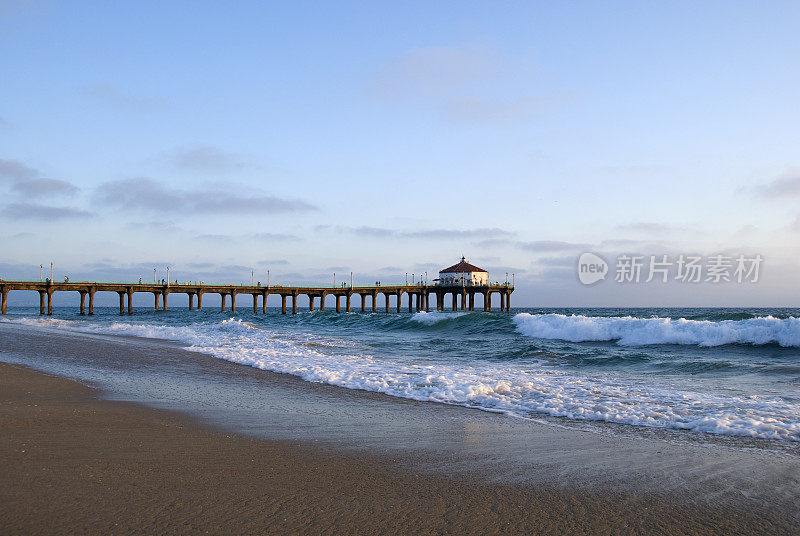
[417, 295]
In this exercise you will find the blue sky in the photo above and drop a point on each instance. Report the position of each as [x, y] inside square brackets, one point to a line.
[385, 139]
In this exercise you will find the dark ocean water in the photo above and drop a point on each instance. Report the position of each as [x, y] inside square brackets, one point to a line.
[721, 371]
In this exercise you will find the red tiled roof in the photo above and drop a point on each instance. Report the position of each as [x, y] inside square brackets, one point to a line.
[462, 266]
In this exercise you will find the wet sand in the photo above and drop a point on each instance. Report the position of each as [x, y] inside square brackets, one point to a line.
[71, 462]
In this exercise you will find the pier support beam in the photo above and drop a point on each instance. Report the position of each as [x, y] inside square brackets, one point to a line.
[463, 300]
[338, 303]
[400, 302]
[294, 304]
[255, 304]
[487, 301]
[508, 301]
[91, 303]
[502, 301]
[41, 302]
[363, 302]
[283, 304]
[200, 301]
[387, 295]
[264, 302]
[455, 301]
[3, 301]
[130, 301]
[222, 296]
[121, 302]
[322, 302]
[164, 294]
[347, 302]
[156, 296]
[310, 302]
[233, 302]
[375, 301]
[191, 300]
[411, 297]
[50, 302]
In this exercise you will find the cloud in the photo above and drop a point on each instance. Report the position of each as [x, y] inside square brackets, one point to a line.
[482, 232]
[216, 238]
[268, 237]
[432, 234]
[437, 70]
[551, 245]
[375, 232]
[46, 188]
[147, 194]
[462, 83]
[787, 184]
[111, 94]
[158, 225]
[33, 211]
[204, 159]
[275, 262]
[494, 242]
[557, 261]
[273, 237]
[645, 227]
[429, 266]
[475, 110]
[14, 170]
[235, 268]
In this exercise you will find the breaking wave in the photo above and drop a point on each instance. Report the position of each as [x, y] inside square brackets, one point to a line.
[632, 331]
[522, 389]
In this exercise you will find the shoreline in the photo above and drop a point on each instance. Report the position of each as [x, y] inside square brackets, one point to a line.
[460, 496]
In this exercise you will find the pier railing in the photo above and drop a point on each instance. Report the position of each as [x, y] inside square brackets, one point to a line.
[417, 294]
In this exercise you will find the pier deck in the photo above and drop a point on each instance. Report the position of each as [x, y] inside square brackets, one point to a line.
[418, 295]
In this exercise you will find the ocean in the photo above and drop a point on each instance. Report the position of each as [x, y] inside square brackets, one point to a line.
[722, 372]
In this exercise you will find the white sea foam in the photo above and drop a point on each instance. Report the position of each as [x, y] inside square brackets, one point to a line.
[632, 331]
[504, 387]
[429, 319]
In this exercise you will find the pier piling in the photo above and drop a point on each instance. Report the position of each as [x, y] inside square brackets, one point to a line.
[419, 296]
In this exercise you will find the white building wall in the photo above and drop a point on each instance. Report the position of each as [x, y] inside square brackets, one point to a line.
[466, 278]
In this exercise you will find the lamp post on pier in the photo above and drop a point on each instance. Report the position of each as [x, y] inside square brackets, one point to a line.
[51, 272]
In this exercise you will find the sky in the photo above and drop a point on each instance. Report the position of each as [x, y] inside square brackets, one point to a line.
[313, 138]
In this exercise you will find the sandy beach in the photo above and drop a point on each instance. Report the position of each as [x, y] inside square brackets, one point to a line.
[74, 461]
